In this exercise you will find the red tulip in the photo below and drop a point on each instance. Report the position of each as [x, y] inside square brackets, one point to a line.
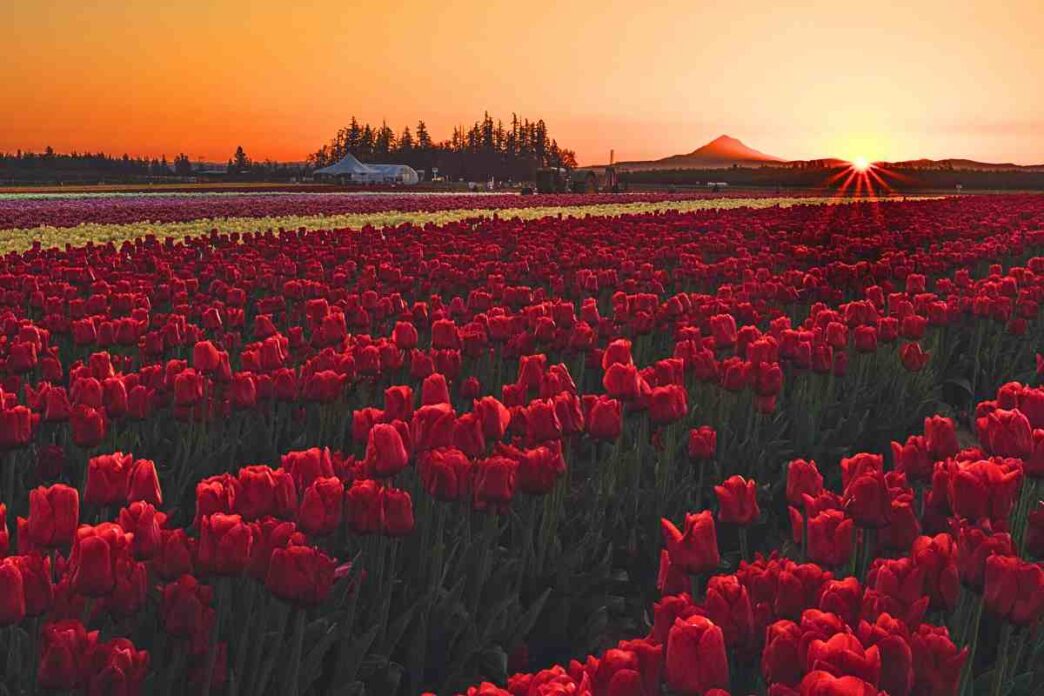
[891, 638]
[667, 404]
[913, 358]
[321, 507]
[174, 556]
[728, 605]
[843, 655]
[604, 417]
[431, 427]
[867, 500]
[803, 478]
[224, 544]
[398, 403]
[494, 417]
[107, 477]
[119, 668]
[494, 482]
[914, 458]
[16, 426]
[363, 507]
[695, 550]
[142, 520]
[830, 538]
[306, 466]
[54, 514]
[143, 483]
[300, 574]
[65, 648]
[941, 436]
[386, 453]
[823, 683]
[1006, 433]
[621, 382]
[737, 501]
[937, 661]
[780, 660]
[12, 594]
[1014, 589]
[446, 473]
[36, 582]
[696, 659]
[215, 494]
[88, 426]
[396, 512]
[982, 489]
[185, 607]
[938, 557]
[263, 491]
[703, 443]
[842, 597]
[95, 556]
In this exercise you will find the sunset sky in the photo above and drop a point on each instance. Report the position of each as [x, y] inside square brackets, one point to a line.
[798, 80]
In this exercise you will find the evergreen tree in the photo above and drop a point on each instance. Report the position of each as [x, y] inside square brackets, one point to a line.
[384, 141]
[406, 141]
[423, 139]
[240, 161]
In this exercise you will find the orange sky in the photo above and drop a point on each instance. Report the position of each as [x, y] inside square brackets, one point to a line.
[798, 80]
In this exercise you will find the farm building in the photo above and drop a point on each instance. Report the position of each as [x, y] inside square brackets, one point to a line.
[351, 170]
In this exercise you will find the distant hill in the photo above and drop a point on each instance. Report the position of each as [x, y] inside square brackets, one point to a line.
[957, 164]
[726, 152]
[721, 153]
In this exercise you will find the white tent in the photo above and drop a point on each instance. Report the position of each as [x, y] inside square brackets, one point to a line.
[396, 173]
[351, 169]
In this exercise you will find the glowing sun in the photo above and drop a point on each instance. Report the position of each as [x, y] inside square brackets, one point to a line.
[860, 164]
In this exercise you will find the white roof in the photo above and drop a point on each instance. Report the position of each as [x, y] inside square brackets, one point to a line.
[347, 165]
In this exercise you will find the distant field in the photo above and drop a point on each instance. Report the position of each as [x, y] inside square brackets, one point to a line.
[227, 187]
[64, 230]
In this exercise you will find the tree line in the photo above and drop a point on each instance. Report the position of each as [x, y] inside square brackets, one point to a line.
[486, 149]
[87, 167]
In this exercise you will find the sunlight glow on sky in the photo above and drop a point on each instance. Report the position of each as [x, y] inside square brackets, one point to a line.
[880, 80]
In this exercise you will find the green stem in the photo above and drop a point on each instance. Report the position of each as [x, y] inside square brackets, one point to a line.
[293, 673]
[1002, 660]
[971, 632]
[244, 640]
[212, 647]
[267, 665]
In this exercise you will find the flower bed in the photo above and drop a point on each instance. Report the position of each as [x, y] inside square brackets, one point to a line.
[417, 458]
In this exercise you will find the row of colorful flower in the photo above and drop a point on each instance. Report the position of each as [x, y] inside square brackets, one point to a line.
[72, 211]
[47, 236]
[305, 378]
[849, 619]
[896, 589]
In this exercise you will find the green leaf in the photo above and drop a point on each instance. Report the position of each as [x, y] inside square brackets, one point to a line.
[398, 627]
[1022, 685]
[352, 656]
[529, 618]
[355, 688]
[312, 664]
[984, 682]
[961, 383]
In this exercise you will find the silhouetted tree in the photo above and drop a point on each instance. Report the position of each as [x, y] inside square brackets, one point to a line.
[182, 165]
[240, 163]
[423, 139]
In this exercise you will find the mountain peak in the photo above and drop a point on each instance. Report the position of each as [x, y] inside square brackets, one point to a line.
[727, 148]
[721, 153]
[725, 139]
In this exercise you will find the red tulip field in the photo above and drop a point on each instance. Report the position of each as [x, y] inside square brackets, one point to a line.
[794, 451]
